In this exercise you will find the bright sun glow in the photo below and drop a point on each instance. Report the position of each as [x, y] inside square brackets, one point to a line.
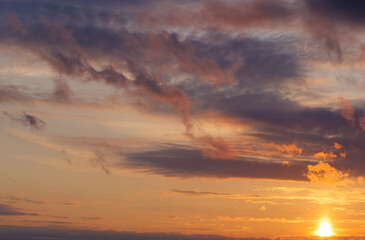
[324, 230]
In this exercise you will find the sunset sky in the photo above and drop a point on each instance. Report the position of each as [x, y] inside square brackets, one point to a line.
[182, 119]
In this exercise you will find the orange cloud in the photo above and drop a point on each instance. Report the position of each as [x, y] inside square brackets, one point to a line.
[337, 145]
[347, 110]
[291, 149]
[362, 122]
[325, 173]
[285, 163]
[343, 154]
[360, 180]
[325, 156]
[216, 147]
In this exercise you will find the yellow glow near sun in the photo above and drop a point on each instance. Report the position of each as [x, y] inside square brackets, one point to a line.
[324, 229]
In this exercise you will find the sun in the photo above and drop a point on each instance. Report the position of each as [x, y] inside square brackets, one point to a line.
[324, 229]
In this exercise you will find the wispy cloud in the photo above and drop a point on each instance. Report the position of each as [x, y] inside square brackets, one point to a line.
[27, 120]
[9, 210]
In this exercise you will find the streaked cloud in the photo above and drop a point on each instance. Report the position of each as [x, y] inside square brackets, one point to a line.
[9, 210]
[27, 120]
[14, 233]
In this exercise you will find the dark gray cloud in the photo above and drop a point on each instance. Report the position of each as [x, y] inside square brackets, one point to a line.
[48, 222]
[8, 210]
[283, 121]
[258, 62]
[144, 57]
[191, 193]
[48, 233]
[254, 74]
[152, 58]
[211, 15]
[197, 193]
[347, 11]
[70, 47]
[276, 119]
[27, 120]
[67, 12]
[274, 110]
[337, 23]
[186, 163]
[58, 233]
[328, 22]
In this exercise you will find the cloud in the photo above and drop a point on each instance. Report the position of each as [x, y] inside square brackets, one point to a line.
[325, 156]
[278, 119]
[8, 210]
[16, 23]
[188, 163]
[285, 163]
[243, 77]
[27, 120]
[336, 23]
[347, 110]
[337, 145]
[259, 62]
[183, 161]
[217, 14]
[57, 233]
[11, 94]
[325, 21]
[69, 54]
[26, 200]
[150, 61]
[47, 222]
[291, 149]
[347, 12]
[167, 159]
[62, 91]
[100, 161]
[191, 193]
[320, 17]
[213, 147]
[204, 194]
[61, 95]
[325, 173]
[362, 122]
[78, 150]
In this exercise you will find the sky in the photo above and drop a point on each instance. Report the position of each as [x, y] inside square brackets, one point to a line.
[172, 119]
